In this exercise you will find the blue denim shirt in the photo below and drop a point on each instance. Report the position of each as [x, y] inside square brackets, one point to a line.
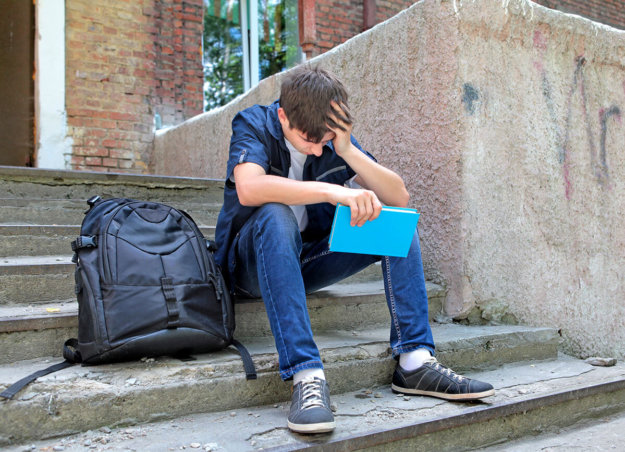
[257, 137]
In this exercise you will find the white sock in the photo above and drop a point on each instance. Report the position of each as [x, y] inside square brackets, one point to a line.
[308, 373]
[414, 359]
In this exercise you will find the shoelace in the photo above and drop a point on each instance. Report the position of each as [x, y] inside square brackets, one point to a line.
[311, 393]
[445, 370]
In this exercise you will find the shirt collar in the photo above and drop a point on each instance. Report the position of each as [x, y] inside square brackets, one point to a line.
[273, 122]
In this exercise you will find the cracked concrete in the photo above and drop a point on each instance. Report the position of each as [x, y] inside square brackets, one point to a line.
[90, 397]
[359, 412]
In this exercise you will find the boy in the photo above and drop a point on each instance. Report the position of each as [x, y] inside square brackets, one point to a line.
[290, 163]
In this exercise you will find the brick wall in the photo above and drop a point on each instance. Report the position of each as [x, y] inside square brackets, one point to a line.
[338, 20]
[335, 21]
[126, 61]
[385, 9]
[611, 12]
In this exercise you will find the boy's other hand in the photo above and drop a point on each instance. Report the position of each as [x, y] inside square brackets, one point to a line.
[364, 205]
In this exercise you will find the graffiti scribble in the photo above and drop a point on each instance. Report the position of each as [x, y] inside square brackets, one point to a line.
[598, 161]
[564, 157]
[469, 98]
[540, 41]
[601, 167]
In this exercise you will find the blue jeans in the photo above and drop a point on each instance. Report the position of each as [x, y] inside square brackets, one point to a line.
[272, 262]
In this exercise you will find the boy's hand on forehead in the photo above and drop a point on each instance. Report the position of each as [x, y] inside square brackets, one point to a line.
[341, 113]
[340, 122]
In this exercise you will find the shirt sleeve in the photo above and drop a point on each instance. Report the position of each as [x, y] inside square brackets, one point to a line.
[351, 183]
[246, 144]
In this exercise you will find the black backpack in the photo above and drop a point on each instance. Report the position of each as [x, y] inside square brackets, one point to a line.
[147, 285]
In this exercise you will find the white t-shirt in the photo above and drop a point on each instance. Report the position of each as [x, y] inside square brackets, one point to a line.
[296, 172]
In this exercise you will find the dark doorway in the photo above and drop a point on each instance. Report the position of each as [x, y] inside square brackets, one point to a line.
[17, 87]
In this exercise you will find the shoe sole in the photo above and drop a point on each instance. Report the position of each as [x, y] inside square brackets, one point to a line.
[441, 395]
[320, 427]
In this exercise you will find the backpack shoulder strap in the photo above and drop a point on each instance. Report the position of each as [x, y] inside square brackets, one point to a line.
[71, 355]
[248, 364]
[9, 392]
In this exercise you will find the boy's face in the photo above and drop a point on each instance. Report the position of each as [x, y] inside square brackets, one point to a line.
[299, 139]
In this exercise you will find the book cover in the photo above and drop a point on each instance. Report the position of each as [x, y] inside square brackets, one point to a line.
[388, 235]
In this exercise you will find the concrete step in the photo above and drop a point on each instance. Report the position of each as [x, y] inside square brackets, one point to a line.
[531, 398]
[45, 240]
[78, 399]
[40, 329]
[36, 279]
[35, 183]
[72, 211]
[27, 280]
[598, 434]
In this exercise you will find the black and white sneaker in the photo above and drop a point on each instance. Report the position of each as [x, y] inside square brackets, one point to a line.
[310, 407]
[435, 380]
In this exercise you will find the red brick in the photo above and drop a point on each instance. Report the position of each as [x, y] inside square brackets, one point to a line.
[122, 154]
[93, 161]
[96, 168]
[109, 162]
[92, 152]
[121, 116]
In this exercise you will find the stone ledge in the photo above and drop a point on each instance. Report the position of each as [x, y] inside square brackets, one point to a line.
[67, 177]
[82, 398]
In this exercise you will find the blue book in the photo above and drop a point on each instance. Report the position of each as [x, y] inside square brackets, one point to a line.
[388, 235]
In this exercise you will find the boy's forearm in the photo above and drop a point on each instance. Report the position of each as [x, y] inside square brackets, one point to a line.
[386, 184]
[255, 189]
[266, 188]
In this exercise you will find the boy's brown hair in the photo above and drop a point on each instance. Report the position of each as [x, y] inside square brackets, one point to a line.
[305, 96]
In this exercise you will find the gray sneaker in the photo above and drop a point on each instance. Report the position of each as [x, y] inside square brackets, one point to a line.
[310, 407]
[435, 380]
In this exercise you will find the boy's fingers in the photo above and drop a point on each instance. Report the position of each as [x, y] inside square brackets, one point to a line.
[377, 209]
[369, 211]
[359, 212]
[340, 112]
[368, 208]
[341, 115]
[365, 206]
[334, 125]
[364, 212]
[353, 208]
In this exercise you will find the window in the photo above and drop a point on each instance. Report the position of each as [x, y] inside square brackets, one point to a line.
[244, 42]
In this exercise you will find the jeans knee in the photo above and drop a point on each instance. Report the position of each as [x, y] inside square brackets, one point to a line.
[278, 220]
[416, 243]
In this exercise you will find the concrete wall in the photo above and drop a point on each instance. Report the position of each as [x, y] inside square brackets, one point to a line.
[544, 171]
[504, 118]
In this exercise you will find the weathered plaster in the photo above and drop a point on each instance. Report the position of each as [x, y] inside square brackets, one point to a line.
[543, 172]
[506, 121]
[53, 145]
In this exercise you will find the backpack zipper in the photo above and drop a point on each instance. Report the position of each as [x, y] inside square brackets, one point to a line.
[92, 301]
[106, 268]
